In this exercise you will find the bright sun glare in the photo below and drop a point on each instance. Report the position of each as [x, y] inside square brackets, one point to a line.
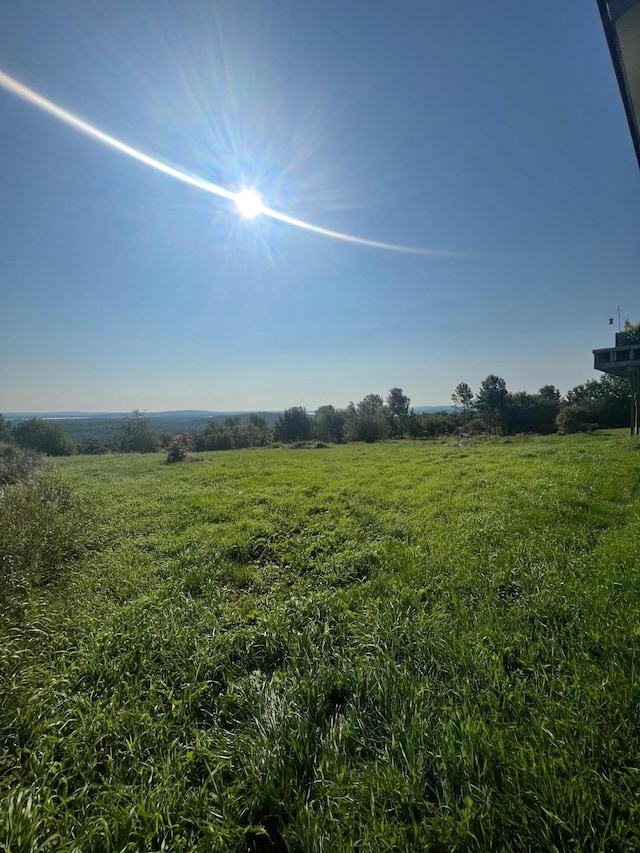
[247, 200]
[249, 203]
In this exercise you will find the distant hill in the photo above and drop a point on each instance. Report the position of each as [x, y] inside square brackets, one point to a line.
[179, 413]
[104, 425]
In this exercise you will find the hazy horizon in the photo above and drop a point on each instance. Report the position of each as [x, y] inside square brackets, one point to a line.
[70, 414]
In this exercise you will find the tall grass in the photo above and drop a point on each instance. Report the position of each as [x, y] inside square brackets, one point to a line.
[404, 647]
[39, 531]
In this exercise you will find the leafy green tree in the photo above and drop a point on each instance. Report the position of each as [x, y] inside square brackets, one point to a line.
[551, 393]
[135, 435]
[328, 424]
[216, 436]
[531, 412]
[462, 397]
[45, 436]
[350, 429]
[398, 411]
[254, 432]
[597, 389]
[370, 404]
[491, 401]
[587, 392]
[6, 433]
[438, 423]
[231, 422]
[372, 422]
[604, 401]
[259, 422]
[293, 424]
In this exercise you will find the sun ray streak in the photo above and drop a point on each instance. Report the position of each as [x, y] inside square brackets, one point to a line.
[15, 87]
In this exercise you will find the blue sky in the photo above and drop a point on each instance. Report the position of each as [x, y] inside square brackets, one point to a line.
[492, 130]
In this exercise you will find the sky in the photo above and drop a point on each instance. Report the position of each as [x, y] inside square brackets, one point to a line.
[492, 133]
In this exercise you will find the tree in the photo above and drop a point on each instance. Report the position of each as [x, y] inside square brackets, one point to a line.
[367, 421]
[135, 435]
[293, 425]
[214, 437]
[6, 433]
[491, 401]
[372, 423]
[398, 411]
[350, 429]
[254, 432]
[604, 401]
[328, 424]
[550, 393]
[462, 397]
[45, 436]
[531, 412]
[432, 424]
[259, 422]
[415, 428]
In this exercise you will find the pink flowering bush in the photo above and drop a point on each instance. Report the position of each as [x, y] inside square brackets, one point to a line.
[178, 448]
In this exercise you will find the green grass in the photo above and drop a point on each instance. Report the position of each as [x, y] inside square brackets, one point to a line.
[38, 530]
[404, 646]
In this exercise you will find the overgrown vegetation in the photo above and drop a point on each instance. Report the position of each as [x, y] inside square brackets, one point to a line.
[404, 646]
[39, 529]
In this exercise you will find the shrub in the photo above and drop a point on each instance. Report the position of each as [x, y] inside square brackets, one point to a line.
[576, 417]
[39, 529]
[476, 426]
[17, 465]
[178, 448]
[92, 447]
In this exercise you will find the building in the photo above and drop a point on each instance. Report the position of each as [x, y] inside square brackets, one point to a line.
[621, 23]
[624, 360]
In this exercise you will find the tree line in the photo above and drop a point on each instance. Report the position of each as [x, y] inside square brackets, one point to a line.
[491, 409]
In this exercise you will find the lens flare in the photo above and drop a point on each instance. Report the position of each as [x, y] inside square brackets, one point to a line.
[247, 201]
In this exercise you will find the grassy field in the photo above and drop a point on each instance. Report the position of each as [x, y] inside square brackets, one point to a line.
[403, 646]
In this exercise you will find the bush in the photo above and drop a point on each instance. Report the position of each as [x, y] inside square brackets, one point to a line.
[92, 447]
[576, 417]
[178, 449]
[39, 529]
[17, 465]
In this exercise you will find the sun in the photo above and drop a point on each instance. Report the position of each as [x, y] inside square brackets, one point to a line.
[249, 204]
